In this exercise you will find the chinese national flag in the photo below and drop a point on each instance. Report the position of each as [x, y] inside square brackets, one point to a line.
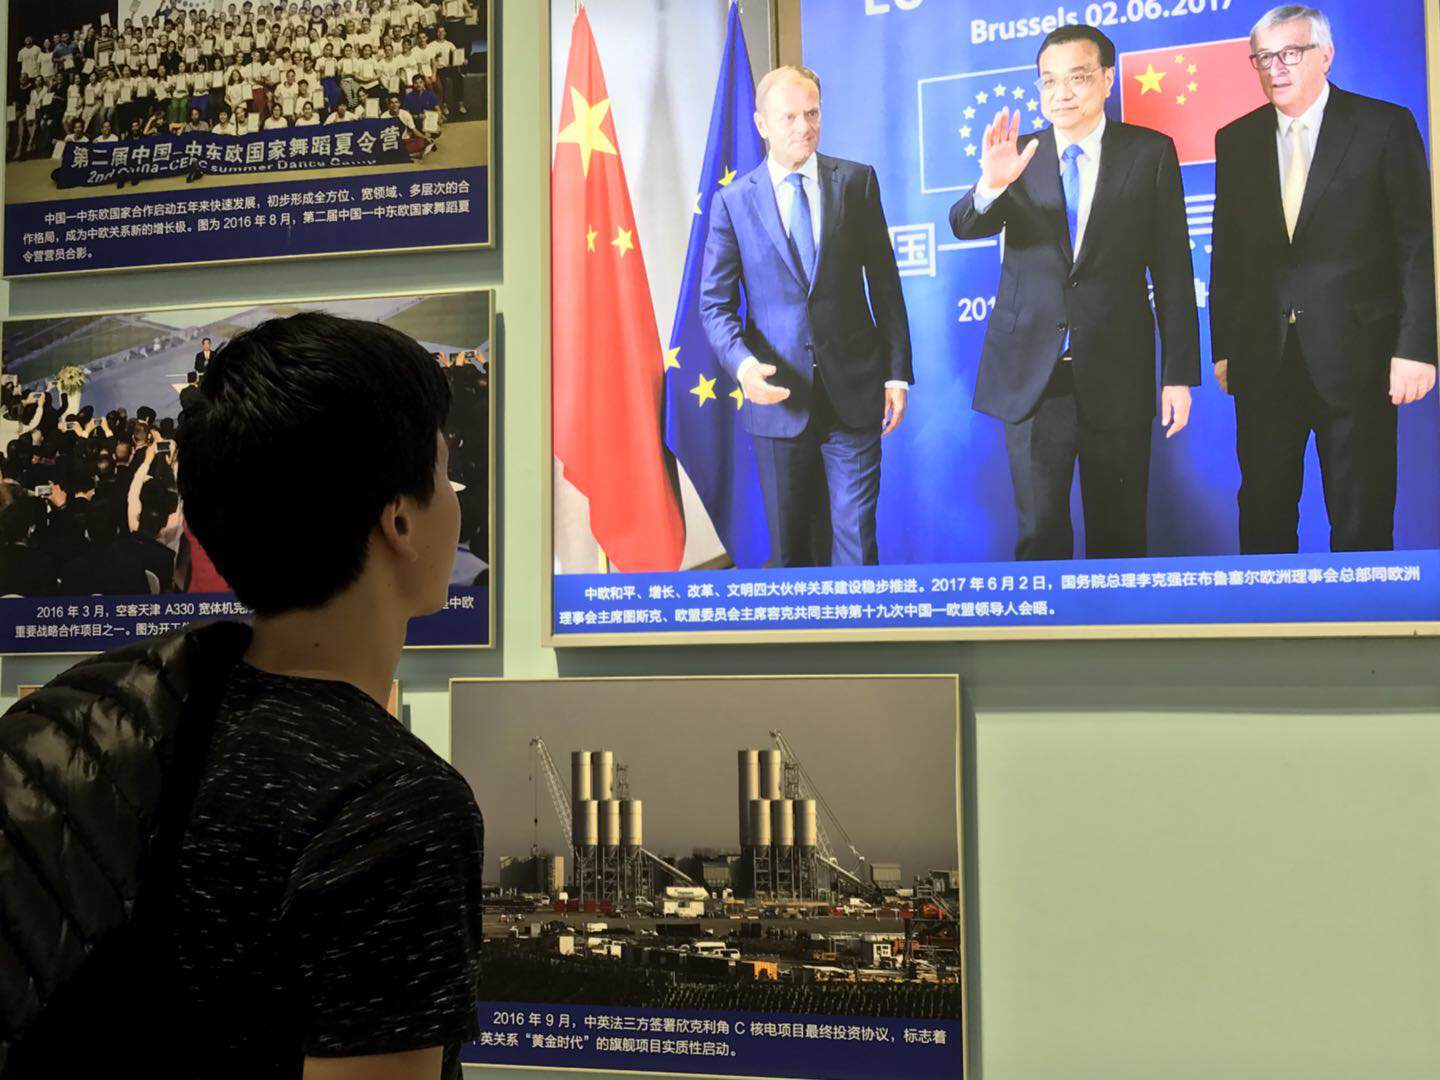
[608, 365]
[1189, 92]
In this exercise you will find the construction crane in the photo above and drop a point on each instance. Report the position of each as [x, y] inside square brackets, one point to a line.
[541, 762]
[809, 790]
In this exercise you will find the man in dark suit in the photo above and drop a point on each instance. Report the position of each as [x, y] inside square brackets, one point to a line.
[1322, 290]
[202, 358]
[1089, 207]
[824, 370]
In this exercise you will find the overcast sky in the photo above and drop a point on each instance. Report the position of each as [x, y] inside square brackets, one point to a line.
[880, 750]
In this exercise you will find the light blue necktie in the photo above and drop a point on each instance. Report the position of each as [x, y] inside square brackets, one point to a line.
[1070, 182]
[802, 229]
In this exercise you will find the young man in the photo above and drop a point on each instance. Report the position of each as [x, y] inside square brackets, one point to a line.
[320, 916]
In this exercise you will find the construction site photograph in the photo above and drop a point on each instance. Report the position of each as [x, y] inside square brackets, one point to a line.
[783, 844]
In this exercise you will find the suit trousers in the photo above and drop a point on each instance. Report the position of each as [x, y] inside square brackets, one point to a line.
[827, 462]
[1356, 445]
[1114, 478]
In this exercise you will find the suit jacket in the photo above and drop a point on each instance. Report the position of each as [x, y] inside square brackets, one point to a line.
[201, 361]
[1137, 224]
[1358, 272]
[858, 345]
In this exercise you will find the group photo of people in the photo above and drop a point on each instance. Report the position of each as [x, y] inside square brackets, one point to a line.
[89, 497]
[240, 68]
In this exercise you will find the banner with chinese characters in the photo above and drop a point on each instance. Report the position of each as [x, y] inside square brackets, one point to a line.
[176, 135]
[776, 894]
[89, 406]
[992, 445]
[340, 145]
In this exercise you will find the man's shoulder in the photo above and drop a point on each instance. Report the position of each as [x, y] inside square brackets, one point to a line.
[844, 167]
[1362, 109]
[1135, 138]
[1253, 121]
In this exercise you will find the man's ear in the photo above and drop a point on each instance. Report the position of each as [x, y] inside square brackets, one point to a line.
[395, 528]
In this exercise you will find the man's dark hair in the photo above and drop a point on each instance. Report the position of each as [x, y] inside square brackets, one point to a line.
[1064, 35]
[20, 519]
[276, 488]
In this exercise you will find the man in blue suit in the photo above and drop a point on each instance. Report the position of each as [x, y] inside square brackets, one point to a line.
[793, 248]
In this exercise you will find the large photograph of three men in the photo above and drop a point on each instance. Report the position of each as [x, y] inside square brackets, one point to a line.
[958, 318]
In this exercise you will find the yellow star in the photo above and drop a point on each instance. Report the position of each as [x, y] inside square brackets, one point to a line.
[969, 113]
[739, 396]
[1179, 58]
[1180, 99]
[704, 390]
[965, 132]
[1149, 79]
[1192, 87]
[1019, 92]
[727, 177]
[1032, 104]
[970, 150]
[624, 241]
[590, 235]
[982, 97]
[1191, 70]
[1001, 90]
[585, 130]
[672, 358]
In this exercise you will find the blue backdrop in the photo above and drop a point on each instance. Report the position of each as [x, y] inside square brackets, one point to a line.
[897, 76]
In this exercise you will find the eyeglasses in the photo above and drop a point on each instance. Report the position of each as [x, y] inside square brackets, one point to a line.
[1289, 56]
[1076, 80]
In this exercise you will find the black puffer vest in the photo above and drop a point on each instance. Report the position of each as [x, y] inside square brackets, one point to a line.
[98, 771]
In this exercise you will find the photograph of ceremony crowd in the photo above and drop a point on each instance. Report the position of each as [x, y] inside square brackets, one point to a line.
[89, 499]
[165, 94]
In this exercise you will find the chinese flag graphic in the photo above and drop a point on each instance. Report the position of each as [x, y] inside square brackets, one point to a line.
[1189, 92]
[608, 366]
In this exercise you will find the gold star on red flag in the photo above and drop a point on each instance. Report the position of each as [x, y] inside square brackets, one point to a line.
[586, 129]
[624, 241]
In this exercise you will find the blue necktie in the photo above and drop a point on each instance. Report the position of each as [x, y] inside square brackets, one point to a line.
[1070, 181]
[802, 229]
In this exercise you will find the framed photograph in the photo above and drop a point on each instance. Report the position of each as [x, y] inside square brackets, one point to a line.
[858, 373]
[774, 892]
[88, 405]
[176, 134]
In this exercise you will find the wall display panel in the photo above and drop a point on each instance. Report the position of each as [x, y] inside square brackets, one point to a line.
[773, 891]
[1018, 494]
[144, 134]
[94, 547]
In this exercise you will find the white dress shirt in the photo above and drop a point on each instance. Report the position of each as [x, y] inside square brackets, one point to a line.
[1088, 165]
[785, 193]
[1311, 118]
[809, 171]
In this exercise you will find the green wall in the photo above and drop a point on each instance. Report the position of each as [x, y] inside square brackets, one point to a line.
[1184, 859]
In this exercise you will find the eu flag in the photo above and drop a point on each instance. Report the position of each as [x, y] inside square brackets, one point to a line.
[702, 402]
